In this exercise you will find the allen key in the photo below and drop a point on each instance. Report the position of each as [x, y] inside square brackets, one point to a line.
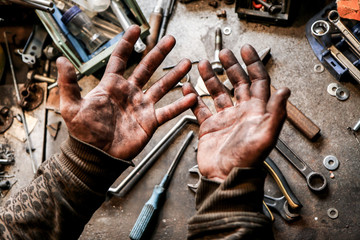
[153, 154]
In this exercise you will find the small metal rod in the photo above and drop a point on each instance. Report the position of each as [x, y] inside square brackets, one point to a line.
[34, 5]
[41, 2]
[34, 164]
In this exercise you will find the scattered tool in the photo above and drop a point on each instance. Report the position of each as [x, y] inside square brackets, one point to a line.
[315, 180]
[31, 96]
[7, 156]
[34, 163]
[155, 24]
[216, 64]
[42, 5]
[148, 211]
[118, 8]
[154, 153]
[167, 14]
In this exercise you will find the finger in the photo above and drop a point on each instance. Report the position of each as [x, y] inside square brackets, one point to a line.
[200, 110]
[170, 111]
[152, 60]
[161, 87]
[276, 106]
[120, 55]
[258, 75]
[216, 89]
[68, 86]
[236, 75]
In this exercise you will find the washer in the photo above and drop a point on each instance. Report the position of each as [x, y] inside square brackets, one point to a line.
[331, 89]
[318, 68]
[342, 93]
[331, 162]
[227, 31]
[332, 213]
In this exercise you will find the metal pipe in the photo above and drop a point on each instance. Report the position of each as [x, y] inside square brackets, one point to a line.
[34, 164]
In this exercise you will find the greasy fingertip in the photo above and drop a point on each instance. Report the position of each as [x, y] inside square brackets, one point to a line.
[188, 88]
[249, 54]
[277, 103]
[66, 71]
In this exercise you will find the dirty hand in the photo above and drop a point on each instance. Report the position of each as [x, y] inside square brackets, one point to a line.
[116, 116]
[240, 135]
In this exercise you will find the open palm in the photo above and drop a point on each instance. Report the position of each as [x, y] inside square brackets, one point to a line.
[117, 116]
[240, 135]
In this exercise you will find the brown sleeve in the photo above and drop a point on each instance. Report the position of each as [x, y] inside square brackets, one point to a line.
[64, 194]
[232, 209]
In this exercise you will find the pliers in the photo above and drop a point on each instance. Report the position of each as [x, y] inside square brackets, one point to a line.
[282, 204]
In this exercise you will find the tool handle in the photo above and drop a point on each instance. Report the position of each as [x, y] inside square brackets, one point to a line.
[147, 213]
[282, 183]
[300, 121]
[155, 24]
[267, 212]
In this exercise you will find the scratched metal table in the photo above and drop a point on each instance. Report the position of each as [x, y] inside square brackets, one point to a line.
[292, 65]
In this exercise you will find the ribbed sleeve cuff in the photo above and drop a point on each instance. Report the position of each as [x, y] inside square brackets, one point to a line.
[242, 190]
[94, 167]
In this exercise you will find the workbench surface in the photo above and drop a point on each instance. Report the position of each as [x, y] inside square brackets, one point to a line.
[292, 65]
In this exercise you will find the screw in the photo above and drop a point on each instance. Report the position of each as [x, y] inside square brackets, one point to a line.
[216, 64]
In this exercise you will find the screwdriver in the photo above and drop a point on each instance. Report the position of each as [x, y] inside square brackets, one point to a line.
[148, 211]
[167, 13]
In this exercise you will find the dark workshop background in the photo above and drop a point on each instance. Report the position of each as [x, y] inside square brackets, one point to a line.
[291, 64]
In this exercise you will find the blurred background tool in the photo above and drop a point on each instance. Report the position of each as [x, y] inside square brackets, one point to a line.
[148, 211]
[167, 14]
[42, 5]
[155, 24]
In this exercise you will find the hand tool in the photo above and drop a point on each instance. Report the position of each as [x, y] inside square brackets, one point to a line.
[29, 143]
[315, 180]
[148, 211]
[216, 64]
[345, 62]
[154, 153]
[167, 14]
[354, 44]
[280, 204]
[279, 178]
[36, 4]
[118, 9]
[155, 24]
[294, 115]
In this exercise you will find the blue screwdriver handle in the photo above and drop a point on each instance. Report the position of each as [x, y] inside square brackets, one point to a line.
[147, 213]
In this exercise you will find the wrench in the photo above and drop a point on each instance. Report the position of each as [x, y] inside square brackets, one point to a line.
[315, 180]
[281, 205]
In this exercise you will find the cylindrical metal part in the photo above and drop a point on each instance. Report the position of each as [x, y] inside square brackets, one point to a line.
[126, 23]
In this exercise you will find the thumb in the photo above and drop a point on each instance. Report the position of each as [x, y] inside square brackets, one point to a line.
[68, 86]
[277, 108]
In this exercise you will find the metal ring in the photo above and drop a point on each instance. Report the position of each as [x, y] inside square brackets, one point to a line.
[342, 93]
[332, 213]
[318, 68]
[320, 28]
[333, 16]
[331, 162]
[331, 89]
[316, 181]
[227, 31]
